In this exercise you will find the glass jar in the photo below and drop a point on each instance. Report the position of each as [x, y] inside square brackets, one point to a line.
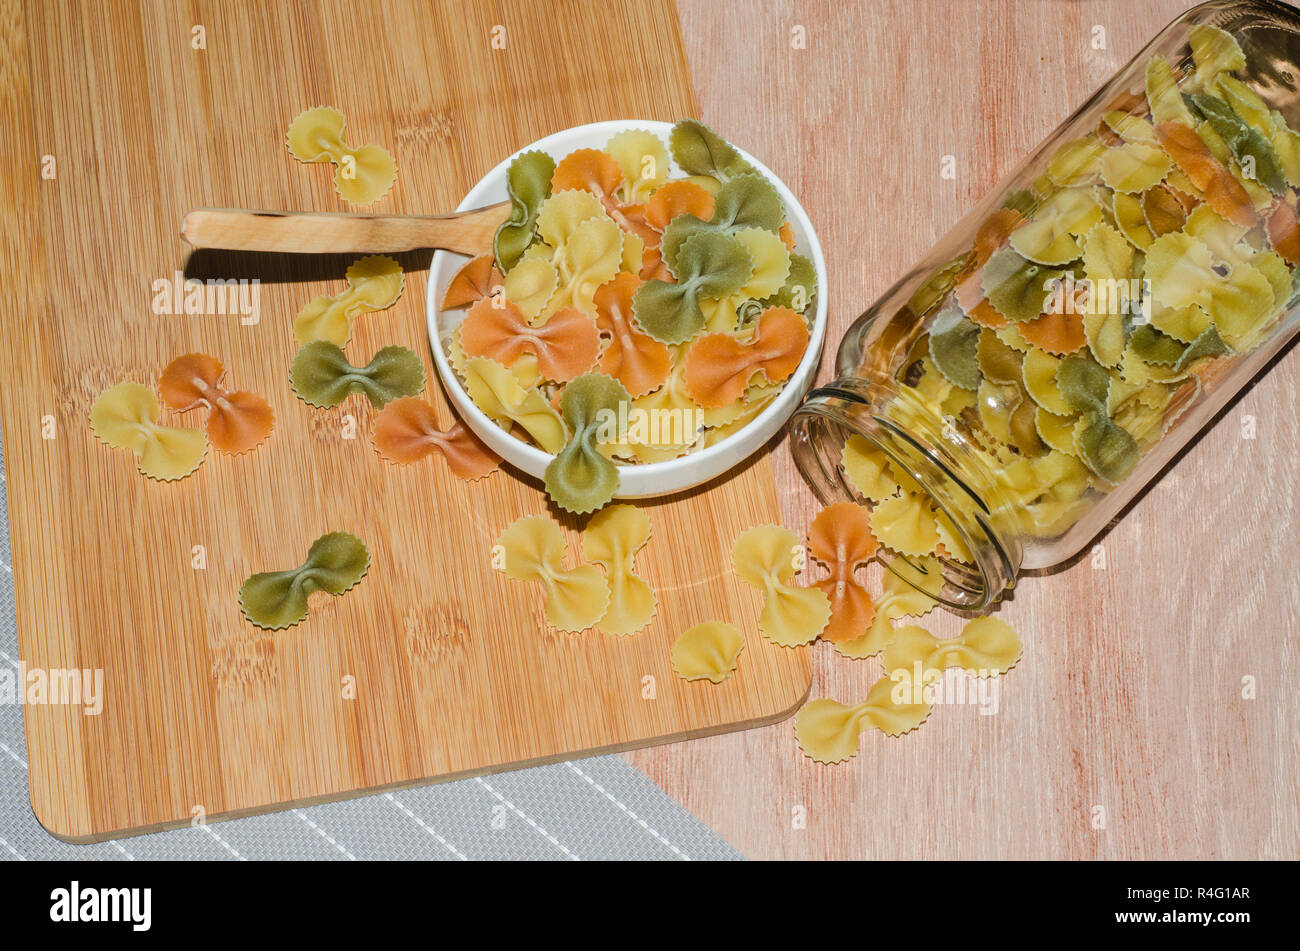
[1084, 322]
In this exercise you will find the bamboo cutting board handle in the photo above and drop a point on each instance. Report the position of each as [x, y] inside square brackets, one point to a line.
[305, 232]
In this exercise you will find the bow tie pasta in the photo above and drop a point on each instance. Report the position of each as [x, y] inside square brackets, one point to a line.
[666, 268]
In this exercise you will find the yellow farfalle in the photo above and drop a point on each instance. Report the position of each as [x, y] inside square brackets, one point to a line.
[827, 731]
[708, 651]
[1131, 220]
[906, 524]
[951, 543]
[757, 395]
[1135, 371]
[1106, 255]
[125, 416]
[1043, 493]
[364, 175]
[531, 283]
[668, 419]
[644, 161]
[1108, 266]
[1076, 162]
[1051, 235]
[741, 413]
[581, 249]
[1225, 239]
[933, 387]
[374, 283]
[1135, 166]
[768, 557]
[612, 538]
[532, 549]
[1214, 51]
[1105, 336]
[1181, 269]
[867, 469]
[1141, 411]
[1163, 94]
[986, 646]
[592, 255]
[1057, 432]
[1182, 323]
[558, 216]
[633, 252]
[1275, 271]
[1038, 371]
[498, 393]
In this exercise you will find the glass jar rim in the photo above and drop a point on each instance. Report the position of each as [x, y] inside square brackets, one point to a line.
[832, 413]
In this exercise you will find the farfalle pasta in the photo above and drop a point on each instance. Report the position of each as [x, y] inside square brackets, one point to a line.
[499, 393]
[643, 161]
[322, 376]
[746, 201]
[588, 258]
[987, 646]
[622, 262]
[898, 599]
[708, 265]
[528, 183]
[708, 651]
[478, 278]
[766, 557]
[126, 416]
[237, 421]
[840, 538]
[702, 153]
[580, 478]
[1141, 259]
[596, 172]
[611, 539]
[995, 399]
[913, 659]
[374, 283]
[720, 367]
[631, 356]
[532, 549]
[277, 599]
[829, 731]
[868, 469]
[407, 430]
[565, 344]
[364, 175]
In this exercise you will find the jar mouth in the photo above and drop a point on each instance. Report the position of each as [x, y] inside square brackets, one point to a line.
[916, 443]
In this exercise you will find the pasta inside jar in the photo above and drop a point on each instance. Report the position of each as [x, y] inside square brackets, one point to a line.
[1012, 394]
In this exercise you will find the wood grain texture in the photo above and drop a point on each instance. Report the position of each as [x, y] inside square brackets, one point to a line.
[1129, 695]
[455, 671]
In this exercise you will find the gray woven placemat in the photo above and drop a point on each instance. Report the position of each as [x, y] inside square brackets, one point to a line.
[599, 808]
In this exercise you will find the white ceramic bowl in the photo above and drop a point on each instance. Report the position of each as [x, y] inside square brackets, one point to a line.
[651, 479]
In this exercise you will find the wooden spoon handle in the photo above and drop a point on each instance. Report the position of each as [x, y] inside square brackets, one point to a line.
[305, 232]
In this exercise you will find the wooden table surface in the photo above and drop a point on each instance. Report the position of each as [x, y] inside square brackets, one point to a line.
[1154, 712]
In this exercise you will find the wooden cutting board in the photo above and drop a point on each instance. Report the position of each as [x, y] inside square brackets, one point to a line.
[116, 119]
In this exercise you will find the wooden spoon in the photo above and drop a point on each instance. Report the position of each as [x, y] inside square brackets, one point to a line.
[308, 232]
